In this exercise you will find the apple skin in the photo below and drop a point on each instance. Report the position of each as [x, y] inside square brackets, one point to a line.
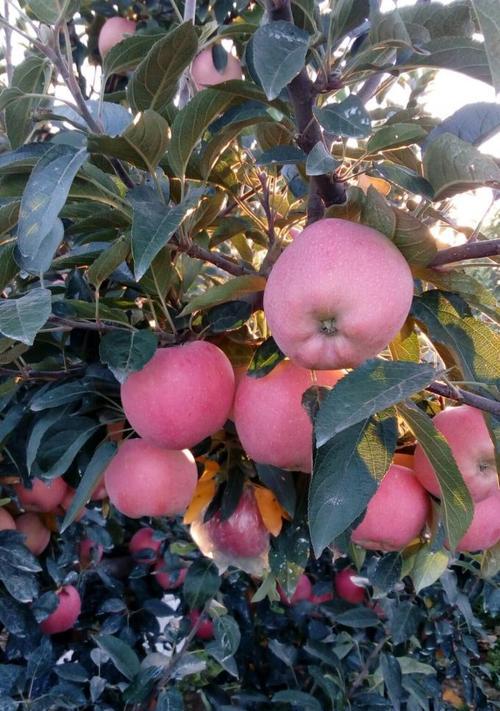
[337, 295]
[112, 32]
[143, 541]
[43, 497]
[66, 613]
[303, 591]
[36, 533]
[396, 513]
[484, 531]
[347, 589]
[320, 599]
[68, 500]
[145, 480]
[166, 579]
[89, 551]
[272, 425]
[181, 396]
[206, 629]
[204, 72]
[465, 430]
[7, 523]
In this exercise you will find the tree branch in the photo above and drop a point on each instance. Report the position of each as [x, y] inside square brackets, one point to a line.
[225, 263]
[465, 397]
[470, 250]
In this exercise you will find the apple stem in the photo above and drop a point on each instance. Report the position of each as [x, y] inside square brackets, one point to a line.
[467, 398]
[470, 250]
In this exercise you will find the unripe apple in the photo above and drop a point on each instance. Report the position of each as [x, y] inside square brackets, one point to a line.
[465, 430]
[66, 613]
[205, 630]
[303, 591]
[169, 580]
[143, 547]
[7, 523]
[145, 480]
[37, 535]
[337, 295]
[273, 426]
[181, 396]
[112, 32]
[89, 552]
[396, 513]
[347, 589]
[204, 72]
[484, 531]
[43, 496]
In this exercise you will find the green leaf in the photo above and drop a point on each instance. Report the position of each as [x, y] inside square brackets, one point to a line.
[428, 567]
[30, 77]
[453, 166]
[297, 700]
[346, 16]
[473, 123]
[8, 266]
[404, 622]
[40, 428]
[456, 500]
[281, 484]
[22, 318]
[404, 178]
[124, 352]
[320, 161]
[128, 53]
[89, 481]
[230, 316]
[45, 194]
[385, 572]
[454, 19]
[67, 443]
[279, 53]
[345, 475]
[201, 584]
[108, 261]
[40, 261]
[57, 395]
[348, 118]
[228, 291]
[52, 11]
[121, 654]
[170, 700]
[142, 144]
[388, 29]
[488, 14]
[413, 239]
[373, 386]
[8, 216]
[405, 346]
[358, 618]
[281, 154]
[154, 83]
[377, 213]
[191, 123]
[395, 135]
[391, 673]
[266, 357]
[288, 556]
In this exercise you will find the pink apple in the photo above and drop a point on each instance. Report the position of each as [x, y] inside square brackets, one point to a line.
[66, 613]
[204, 72]
[464, 428]
[143, 546]
[347, 589]
[112, 32]
[205, 629]
[303, 591]
[7, 523]
[145, 480]
[396, 513]
[337, 295]
[43, 496]
[272, 425]
[169, 580]
[484, 531]
[182, 395]
[89, 552]
[37, 535]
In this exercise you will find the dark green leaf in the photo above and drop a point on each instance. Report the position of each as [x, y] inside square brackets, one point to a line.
[266, 357]
[454, 19]
[57, 395]
[457, 53]
[428, 567]
[60, 449]
[202, 583]
[108, 261]
[346, 16]
[121, 654]
[413, 239]
[281, 154]
[405, 178]
[388, 29]
[279, 53]
[128, 53]
[404, 621]
[386, 571]
[288, 556]
[297, 699]
[228, 317]
[320, 161]
[359, 617]
[348, 118]
[473, 123]
[124, 352]
[22, 318]
[395, 135]
[228, 291]
[377, 213]
[51, 11]
[40, 428]
[226, 643]
[391, 672]
[281, 484]
[40, 261]
[170, 700]
[30, 77]
[488, 14]
[8, 266]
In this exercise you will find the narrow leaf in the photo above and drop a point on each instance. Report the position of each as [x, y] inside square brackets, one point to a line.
[230, 290]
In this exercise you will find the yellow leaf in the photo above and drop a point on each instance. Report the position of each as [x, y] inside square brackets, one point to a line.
[204, 493]
[381, 185]
[270, 509]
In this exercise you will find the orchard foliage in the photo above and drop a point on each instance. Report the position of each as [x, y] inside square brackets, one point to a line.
[143, 205]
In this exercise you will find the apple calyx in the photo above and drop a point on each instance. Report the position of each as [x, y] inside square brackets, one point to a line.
[328, 327]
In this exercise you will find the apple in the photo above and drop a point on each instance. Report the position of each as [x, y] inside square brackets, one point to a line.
[169, 580]
[37, 535]
[303, 591]
[145, 480]
[320, 599]
[205, 629]
[112, 32]
[7, 523]
[204, 72]
[43, 496]
[273, 426]
[465, 430]
[337, 295]
[484, 531]
[396, 513]
[181, 396]
[347, 589]
[68, 500]
[66, 613]
[99, 492]
[143, 547]
[89, 552]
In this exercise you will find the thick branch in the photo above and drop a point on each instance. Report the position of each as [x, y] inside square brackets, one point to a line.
[465, 397]
[224, 263]
[470, 250]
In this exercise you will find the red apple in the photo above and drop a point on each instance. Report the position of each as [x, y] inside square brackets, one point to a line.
[7, 523]
[89, 552]
[66, 613]
[303, 591]
[43, 496]
[320, 599]
[204, 72]
[484, 531]
[205, 630]
[396, 513]
[347, 589]
[465, 430]
[145, 480]
[182, 395]
[112, 32]
[143, 547]
[37, 535]
[169, 580]
[272, 425]
[337, 295]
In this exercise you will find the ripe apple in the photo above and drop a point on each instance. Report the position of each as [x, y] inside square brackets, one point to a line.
[272, 425]
[89, 552]
[7, 523]
[112, 32]
[303, 591]
[169, 580]
[396, 513]
[465, 430]
[347, 589]
[182, 395]
[204, 72]
[484, 531]
[143, 547]
[99, 492]
[66, 613]
[43, 496]
[37, 535]
[145, 480]
[337, 295]
[205, 630]
[321, 598]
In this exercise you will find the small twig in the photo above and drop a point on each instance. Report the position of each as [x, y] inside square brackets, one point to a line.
[8, 45]
[29, 374]
[194, 250]
[365, 671]
[266, 204]
[470, 250]
[466, 397]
